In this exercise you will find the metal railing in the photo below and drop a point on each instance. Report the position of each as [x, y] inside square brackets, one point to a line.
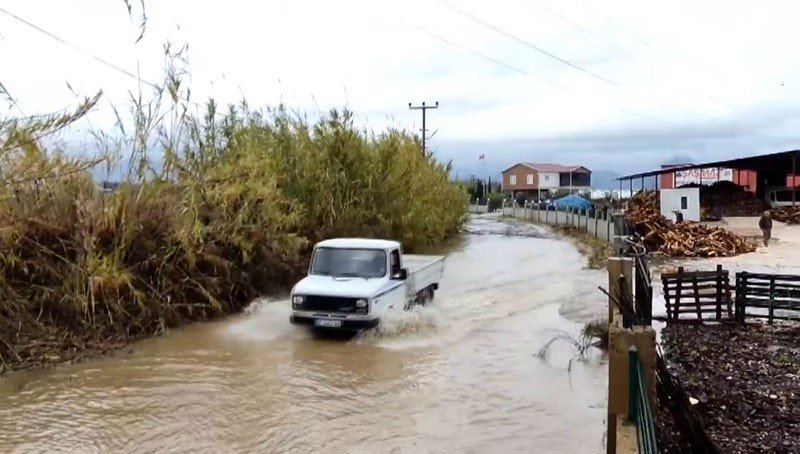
[640, 412]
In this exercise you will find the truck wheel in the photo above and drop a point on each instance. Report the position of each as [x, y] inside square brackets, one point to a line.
[426, 296]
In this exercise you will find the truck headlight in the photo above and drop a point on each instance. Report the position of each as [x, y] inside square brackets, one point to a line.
[362, 306]
[297, 301]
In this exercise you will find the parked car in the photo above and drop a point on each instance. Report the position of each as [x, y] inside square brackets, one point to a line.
[781, 196]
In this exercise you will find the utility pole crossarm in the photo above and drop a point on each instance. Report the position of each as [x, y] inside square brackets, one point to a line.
[424, 108]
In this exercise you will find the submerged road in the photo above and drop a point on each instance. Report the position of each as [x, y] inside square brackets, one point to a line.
[460, 376]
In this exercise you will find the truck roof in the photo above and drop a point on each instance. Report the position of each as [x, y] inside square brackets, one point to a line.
[358, 243]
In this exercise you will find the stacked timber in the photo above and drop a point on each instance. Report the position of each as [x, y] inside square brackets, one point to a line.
[684, 239]
[725, 198]
[789, 215]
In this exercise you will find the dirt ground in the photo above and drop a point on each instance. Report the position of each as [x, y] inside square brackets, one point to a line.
[746, 379]
[744, 382]
[781, 256]
[783, 250]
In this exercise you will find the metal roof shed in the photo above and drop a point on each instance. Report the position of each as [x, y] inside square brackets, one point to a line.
[770, 167]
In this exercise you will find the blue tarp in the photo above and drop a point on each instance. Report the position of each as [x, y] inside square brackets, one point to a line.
[573, 201]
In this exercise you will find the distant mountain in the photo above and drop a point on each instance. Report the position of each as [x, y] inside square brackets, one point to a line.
[680, 159]
[605, 179]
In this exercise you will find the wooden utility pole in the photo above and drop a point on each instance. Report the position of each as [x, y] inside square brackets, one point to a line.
[424, 108]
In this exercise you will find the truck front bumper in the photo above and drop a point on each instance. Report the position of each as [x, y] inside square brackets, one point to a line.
[349, 325]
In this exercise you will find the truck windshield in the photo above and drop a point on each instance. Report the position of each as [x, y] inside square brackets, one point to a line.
[349, 262]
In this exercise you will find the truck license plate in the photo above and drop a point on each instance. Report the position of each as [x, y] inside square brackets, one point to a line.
[328, 323]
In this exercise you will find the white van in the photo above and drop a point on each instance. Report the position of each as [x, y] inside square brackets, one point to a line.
[782, 196]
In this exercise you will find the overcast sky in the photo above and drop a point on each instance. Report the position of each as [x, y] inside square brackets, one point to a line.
[703, 79]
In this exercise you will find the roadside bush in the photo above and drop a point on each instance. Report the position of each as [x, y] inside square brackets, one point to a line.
[228, 215]
[495, 201]
[597, 330]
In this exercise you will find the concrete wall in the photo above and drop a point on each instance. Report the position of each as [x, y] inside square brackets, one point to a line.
[671, 201]
[477, 209]
[596, 227]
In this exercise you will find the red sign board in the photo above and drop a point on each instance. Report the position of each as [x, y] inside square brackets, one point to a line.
[702, 176]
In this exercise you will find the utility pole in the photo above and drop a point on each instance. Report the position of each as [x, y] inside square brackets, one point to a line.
[424, 108]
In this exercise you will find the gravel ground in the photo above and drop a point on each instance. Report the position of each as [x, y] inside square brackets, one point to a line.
[746, 380]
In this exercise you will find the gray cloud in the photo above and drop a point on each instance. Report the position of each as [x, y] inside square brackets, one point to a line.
[636, 149]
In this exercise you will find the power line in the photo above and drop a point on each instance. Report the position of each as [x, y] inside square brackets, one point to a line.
[612, 23]
[490, 59]
[527, 43]
[642, 41]
[74, 47]
[520, 71]
[582, 29]
[620, 29]
[90, 54]
[553, 56]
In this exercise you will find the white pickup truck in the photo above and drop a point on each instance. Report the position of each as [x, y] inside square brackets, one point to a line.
[352, 283]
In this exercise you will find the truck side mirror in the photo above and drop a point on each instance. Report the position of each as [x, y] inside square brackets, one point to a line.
[401, 275]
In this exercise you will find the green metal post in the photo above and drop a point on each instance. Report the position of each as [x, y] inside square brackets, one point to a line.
[771, 298]
[633, 382]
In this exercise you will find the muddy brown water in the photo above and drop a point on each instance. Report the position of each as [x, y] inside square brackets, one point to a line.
[460, 376]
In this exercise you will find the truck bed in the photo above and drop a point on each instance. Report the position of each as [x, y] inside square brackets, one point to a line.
[423, 271]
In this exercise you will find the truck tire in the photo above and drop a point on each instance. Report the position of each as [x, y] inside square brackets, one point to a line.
[423, 298]
[426, 296]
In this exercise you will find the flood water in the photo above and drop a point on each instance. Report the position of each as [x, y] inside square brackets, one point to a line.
[461, 376]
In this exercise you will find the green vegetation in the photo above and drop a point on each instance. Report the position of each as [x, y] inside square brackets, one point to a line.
[495, 201]
[594, 334]
[479, 189]
[596, 250]
[228, 214]
[597, 330]
[581, 344]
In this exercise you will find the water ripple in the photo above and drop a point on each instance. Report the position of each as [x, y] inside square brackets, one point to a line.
[458, 376]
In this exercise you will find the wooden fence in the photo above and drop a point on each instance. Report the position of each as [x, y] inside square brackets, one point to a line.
[706, 295]
[769, 296]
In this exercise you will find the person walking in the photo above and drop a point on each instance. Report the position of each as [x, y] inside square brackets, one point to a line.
[765, 223]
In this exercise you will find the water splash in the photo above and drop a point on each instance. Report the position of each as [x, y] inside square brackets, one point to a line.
[420, 320]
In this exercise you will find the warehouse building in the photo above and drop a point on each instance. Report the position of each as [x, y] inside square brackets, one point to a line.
[739, 186]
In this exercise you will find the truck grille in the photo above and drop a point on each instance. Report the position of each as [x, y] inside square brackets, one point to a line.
[330, 304]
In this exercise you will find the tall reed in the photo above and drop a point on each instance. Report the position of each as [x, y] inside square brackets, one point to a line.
[214, 210]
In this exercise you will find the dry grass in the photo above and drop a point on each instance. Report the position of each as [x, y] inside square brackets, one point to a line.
[597, 330]
[596, 250]
[227, 215]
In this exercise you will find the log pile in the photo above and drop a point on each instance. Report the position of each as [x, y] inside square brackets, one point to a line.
[685, 239]
[725, 198]
[789, 215]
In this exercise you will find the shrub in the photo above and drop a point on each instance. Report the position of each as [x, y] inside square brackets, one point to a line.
[495, 201]
[230, 214]
[597, 330]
